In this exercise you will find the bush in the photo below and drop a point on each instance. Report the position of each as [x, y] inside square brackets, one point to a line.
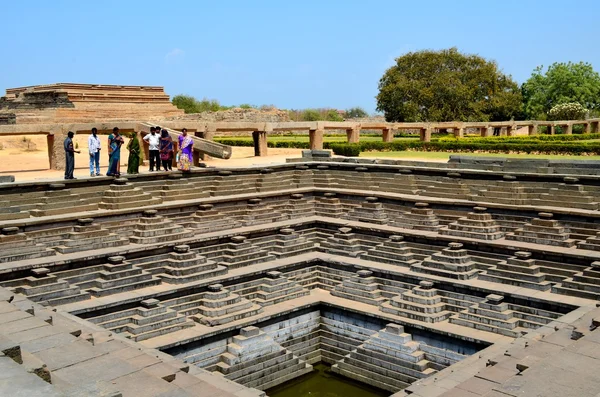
[355, 113]
[567, 111]
[346, 149]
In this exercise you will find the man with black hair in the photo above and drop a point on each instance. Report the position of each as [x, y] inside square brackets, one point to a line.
[70, 155]
[153, 140]
[94, 149]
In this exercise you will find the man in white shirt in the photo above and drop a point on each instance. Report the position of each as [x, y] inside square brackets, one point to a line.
[94, 149]
[153, 140]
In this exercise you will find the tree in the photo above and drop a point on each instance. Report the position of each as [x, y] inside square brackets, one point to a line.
[355, 113]
[187, 103]
[562, 83]
[567, 111]
[447, 85]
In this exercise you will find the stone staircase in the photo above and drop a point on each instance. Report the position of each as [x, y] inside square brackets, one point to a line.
[207, 219]
[149, 320]
[219, 306]
[88, 235]
[568, 195]
[270, 290]
[391, 360]
[420, 217]
[370, 211]
[584, 284]
[329, 205]
[116, 276]
[258, 213]
[543, 230]
[177, 188]
[519, 270]
[17, 246]
[494, 315]
[60, 200]
[152, 228]
[445, 188]
[362, 287]
[255, 360]
[180, 266]
[477, 224]
[288, 243]
[399, 183]
[237, 253]
[422, 303]
[122, 194]
[452, 262]
[504, 192]
[393, 251]
[299, 206]
[47, 289]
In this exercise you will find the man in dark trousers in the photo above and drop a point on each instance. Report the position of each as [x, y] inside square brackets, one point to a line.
[70, 156]
[153, 140]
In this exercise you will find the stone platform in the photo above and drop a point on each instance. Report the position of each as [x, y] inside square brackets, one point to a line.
[254, 275]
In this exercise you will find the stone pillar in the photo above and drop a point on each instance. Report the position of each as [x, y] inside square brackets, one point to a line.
[532, 129]
[568, 129]
[56, 150]
[145, 147]
[175, 149]
[260, 143]
[426, 134]
[595, 127]
[388, 134]
[209, 136]
[316, 139]
[196, 154]
[510, 130]
[459, 132]
[588, 128]
[551, 129]
[353, 135]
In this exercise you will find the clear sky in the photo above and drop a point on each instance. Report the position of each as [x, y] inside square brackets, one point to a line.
[328, 53]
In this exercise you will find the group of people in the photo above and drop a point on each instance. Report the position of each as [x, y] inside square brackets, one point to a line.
[160, 145]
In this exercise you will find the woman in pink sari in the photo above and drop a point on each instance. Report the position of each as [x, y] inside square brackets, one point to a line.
[186, 150]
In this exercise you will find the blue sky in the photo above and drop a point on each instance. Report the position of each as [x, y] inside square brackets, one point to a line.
[290, 54]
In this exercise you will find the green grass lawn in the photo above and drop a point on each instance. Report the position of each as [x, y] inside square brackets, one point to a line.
[444, 156]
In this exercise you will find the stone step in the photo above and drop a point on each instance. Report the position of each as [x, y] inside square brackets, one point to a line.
[99, 292]
[540, 286]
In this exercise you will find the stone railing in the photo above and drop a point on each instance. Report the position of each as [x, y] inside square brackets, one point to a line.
[205, 131]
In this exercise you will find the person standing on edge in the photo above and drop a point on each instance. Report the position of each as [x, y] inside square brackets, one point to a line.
[166, 150]
[135, 155]
[153, 147]
[186, 150]
[115, 141]
[70, 155]
[94, 149]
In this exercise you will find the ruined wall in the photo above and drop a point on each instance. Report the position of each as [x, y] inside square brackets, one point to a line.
[237, 114]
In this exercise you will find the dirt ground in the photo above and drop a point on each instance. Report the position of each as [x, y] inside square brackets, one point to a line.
[28, 159]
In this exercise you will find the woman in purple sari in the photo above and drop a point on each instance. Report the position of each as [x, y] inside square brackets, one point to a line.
[186, 150]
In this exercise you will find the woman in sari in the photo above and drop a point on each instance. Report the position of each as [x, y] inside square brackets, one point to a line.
[186, 148]
[115, 140]
[166, 150]
[133, 162]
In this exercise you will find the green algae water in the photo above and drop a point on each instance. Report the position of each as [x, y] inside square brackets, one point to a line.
[323, 383]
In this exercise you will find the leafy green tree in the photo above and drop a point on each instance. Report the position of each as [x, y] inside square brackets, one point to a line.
[447, 85]
[333, 115]
[310, 115]
[355, 113]
[562, 83]
[187, 103]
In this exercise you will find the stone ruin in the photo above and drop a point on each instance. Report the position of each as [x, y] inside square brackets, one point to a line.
[231, 282]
